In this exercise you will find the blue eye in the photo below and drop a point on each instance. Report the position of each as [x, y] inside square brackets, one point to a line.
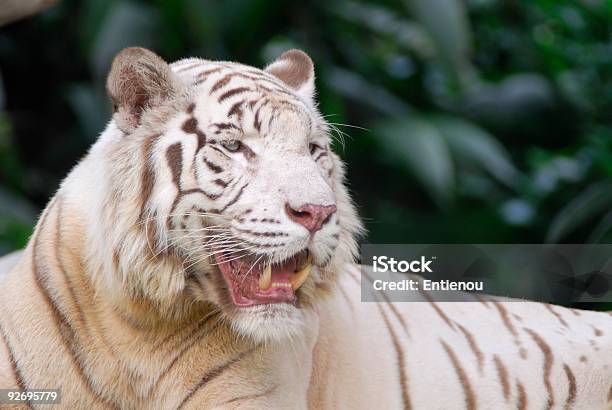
[232, 145]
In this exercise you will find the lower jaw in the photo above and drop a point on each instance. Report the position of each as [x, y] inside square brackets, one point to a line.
[245, 290]
[257, 296]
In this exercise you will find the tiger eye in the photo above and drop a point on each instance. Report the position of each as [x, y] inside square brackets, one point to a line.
[232, 145]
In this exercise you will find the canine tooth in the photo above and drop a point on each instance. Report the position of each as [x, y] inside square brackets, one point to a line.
[265, 279]
[308, 259]
[298, 278]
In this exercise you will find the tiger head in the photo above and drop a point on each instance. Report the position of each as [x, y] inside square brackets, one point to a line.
[216, 186]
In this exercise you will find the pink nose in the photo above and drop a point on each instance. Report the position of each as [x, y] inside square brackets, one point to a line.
[310, 216]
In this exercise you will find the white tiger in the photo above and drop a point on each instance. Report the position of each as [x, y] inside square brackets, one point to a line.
[201, 256]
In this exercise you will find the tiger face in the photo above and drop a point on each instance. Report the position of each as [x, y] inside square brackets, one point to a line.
[241, 201]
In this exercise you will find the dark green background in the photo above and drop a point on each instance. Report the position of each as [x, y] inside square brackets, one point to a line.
[477, 121]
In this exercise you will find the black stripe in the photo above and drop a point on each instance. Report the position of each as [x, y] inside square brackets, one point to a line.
[233, 201]
[437, 309]
[67, 333]
[189, 66]
[571, 389]
[251, 397]
[183, 346]
[220, 183]
[203, 76]
[220, 152]
[147, 179]
[230, 93]
[14, 366]
[190, 126]
[256, 119]
[221, 83]
[462, 376]
[225, 125]
[262, 245]
[323, 154]
[273, 116]
[209, 71]
[174, 158]
[69, 284]
[399, 353]
[200, 191]
[549, 359]
[264, 234]
[212, 375]
[236, 109]
[213, 167]
[397, 314]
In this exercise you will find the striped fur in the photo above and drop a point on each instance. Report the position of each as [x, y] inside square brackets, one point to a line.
[117, 301]
[488, 354]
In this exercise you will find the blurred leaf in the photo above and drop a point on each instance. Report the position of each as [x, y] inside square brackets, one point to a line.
[602, 228]
[13, 235]
[475, 146]
[1, 93]
[357, 88]
[573, 87]
[515, 97]
[92, 17]
[11, 169]
[90, 107]
[517, 212]
[447, 23]
[275, 47]
[16, 207]
[382, 21]
[416, 144]
[126, 24]
[588, 204]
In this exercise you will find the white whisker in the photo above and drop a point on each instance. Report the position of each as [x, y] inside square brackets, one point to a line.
[249, 271]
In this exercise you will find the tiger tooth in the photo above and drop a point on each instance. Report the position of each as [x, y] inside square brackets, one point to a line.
[298, 278]
[265, 280]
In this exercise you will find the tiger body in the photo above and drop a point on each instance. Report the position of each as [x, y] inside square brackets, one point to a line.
[485, 355]
[57, 332]
[488, 354]
[126, 295]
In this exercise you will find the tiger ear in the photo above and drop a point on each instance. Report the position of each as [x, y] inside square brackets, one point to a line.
[295, 68]
[138, 79]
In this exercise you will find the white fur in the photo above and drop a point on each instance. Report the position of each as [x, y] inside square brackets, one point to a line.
[106, 187]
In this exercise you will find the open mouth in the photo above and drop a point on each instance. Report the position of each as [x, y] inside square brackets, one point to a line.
[255, 283]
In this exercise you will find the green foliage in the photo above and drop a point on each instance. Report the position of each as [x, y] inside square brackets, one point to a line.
[476, 121]
[417, 144]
